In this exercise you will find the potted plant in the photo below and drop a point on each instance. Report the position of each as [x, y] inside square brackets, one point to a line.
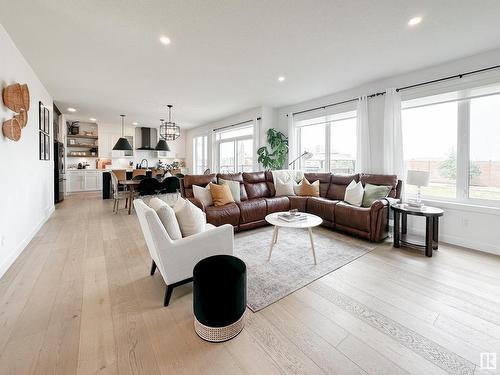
[275, 157]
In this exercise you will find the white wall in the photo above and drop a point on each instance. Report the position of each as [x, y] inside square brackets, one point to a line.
[26, 191]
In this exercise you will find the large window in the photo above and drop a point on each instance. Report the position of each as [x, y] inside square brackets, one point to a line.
[455, 136]
[235, 149]
[200, 154]
[332, 141]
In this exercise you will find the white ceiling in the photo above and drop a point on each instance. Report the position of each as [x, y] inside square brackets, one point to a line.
[104, 57]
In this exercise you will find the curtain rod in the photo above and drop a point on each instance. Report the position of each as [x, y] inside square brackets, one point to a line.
[238, 123]
[402, 88]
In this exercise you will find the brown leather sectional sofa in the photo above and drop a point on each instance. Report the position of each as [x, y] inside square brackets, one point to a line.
[258, 199]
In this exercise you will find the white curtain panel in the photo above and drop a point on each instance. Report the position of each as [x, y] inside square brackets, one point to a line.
[256, 143]
[292, 139]
[393, 135]
[363, 148]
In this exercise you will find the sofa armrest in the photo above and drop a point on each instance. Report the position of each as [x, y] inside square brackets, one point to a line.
[379, 204]
[181, 257]
[379, 219]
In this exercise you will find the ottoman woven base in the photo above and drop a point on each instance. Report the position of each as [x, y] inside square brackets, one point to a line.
[219, 334]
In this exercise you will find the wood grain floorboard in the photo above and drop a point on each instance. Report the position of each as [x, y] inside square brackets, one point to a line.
[79, 300]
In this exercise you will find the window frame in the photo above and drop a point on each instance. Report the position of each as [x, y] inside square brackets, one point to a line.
[462, 196]
[329, 120]
[203, 152]
[219, 141]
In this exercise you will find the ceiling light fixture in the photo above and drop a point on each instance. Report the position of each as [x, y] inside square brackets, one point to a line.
[122, 144]
[169, 130]
[71, 109]
[135, 123]
[281, 79]
[92, 119]
[414, 21]
[165, 40]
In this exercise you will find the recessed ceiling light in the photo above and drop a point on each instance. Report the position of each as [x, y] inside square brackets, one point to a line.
[135, 123]
[71, 109]
[414, 21]
[92, 119]
[281, 78]
[165, 40]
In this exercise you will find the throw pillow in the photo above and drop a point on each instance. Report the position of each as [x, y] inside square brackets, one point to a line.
[167, 218]
[374, 192]
[234, 186]
[190, 218]
[354, 193]
[221, 194]
[285, 188]
[203, 195]
[309, 190]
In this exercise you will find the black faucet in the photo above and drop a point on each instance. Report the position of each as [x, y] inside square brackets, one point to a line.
[147, 165]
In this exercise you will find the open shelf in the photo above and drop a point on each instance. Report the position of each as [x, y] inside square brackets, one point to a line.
[82, 145]
[82, 136]
[86, 155]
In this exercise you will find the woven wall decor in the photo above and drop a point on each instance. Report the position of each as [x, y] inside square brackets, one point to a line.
[16, 97]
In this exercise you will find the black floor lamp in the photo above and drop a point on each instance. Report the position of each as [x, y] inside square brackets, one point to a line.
[306, 155]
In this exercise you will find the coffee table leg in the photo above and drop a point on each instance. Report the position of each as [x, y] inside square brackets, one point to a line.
[312, 243]
[273, 241]
[276, 235]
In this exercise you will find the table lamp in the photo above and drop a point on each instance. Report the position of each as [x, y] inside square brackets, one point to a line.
[419, 179]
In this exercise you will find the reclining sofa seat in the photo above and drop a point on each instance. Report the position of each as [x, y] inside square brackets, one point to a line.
[258, 200]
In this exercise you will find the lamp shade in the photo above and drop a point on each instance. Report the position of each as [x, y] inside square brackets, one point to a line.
[308, 155]
[162, 146]
[418, 178]
[122, 145]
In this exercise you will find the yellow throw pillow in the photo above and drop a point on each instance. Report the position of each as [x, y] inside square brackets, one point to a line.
[221, 194]
[309, 190]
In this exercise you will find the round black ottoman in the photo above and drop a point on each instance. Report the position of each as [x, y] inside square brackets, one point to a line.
[219, 297]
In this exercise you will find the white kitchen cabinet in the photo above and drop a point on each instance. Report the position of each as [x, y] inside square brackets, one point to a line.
[106, 142]
[83, 180]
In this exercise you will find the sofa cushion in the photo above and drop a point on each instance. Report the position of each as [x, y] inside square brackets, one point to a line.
[381, 179]
[354, 193]
[203, 194]
[299, 203]
[167, 218]
[284, 188]
[374, 193]
[227, 214]
[256, 185]
[190, 218]
[221, 194]
[322, 207]
[234, 186]
[235, 177]
[277, 204]
[338, 184]
[201, 180]
[308, 189]
[352, 216]
[252, 210]
[324, 181]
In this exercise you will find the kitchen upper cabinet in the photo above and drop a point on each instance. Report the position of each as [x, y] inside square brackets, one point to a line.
[107, 140]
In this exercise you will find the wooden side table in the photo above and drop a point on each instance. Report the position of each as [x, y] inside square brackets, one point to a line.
[401, 237]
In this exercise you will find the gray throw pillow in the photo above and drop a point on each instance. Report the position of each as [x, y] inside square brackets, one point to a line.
[234, 186]
[374, 192]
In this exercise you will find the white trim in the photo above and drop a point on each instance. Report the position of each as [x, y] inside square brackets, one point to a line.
[11, 258]
[462, 206]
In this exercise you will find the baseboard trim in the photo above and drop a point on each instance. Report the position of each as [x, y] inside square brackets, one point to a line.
[463, 242]
[11, 258]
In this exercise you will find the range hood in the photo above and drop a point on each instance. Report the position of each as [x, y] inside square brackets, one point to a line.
[146, 138]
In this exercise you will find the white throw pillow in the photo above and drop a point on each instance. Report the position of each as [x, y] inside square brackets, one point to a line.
[285, 188]
[167, 218]
[203, 195]
[191, 219]
[234, 186]
[354, 193]
[296, 187]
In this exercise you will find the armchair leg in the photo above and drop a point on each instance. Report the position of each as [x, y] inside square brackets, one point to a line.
[153, 268]
[168, 294]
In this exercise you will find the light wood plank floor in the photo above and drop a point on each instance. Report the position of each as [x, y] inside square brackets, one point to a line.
[79, 300]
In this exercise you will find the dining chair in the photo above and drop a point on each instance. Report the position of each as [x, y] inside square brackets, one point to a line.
[170, 185]
[138, 172]
[117, 195]
[149, 186]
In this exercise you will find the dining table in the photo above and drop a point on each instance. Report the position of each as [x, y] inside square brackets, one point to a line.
[130, 186]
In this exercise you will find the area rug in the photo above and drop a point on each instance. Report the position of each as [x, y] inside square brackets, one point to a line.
[291, 266]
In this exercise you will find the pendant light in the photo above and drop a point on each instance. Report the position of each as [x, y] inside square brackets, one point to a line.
[122, 144]
[162, 144]
[169, 131]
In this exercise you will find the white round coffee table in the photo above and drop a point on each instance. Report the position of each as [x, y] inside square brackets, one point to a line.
[309, 223]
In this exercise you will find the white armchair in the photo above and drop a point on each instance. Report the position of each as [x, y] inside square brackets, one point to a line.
[176, 259]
